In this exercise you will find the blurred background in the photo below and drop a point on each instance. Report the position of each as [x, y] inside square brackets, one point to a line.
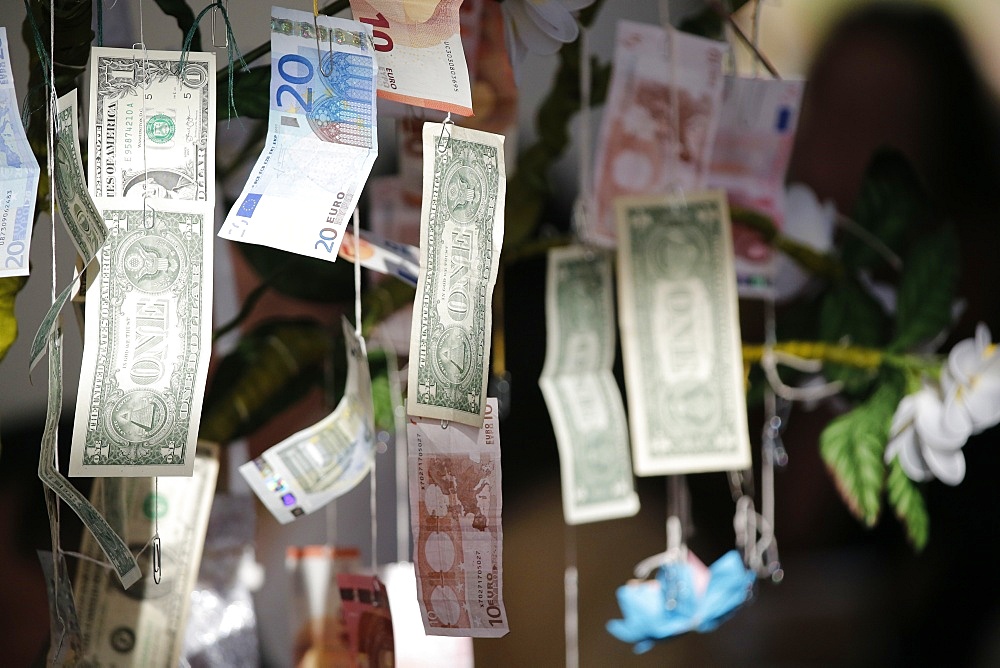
[921, 76]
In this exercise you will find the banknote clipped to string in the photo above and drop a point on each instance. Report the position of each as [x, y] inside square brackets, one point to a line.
[321, 142]
[421, 60]
[149, 294]
[309, 469]
[461, 234]
[18, 176]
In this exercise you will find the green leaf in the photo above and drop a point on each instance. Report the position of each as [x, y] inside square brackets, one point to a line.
[302, 277]
[892, 205]
[181, 11]
[9, 287]
[251, 90]
[381, 394]
[853, 446]
[926, 290]
[848, 312]
[908, 504]
[273, 366]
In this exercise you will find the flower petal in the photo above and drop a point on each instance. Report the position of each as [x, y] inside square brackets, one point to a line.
[526, 30]
[947, 465]
[903, 416]
[983, 404]
[964, 361]
[942, 426]
[554, 19]
[910, 459]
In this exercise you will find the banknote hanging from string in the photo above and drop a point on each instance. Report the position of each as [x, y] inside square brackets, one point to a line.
[322, 137]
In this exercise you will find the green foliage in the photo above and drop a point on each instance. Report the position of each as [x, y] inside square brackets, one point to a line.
[381, 392]
[853, 446]
[848, 312]
[892, 205]
[301, 277]
[908, 505]
[9, 287]
[927, 288]
[181, 11]
[251, 88]
[273, 366]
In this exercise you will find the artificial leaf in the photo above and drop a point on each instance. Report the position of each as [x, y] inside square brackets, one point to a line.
[302, 277]
[849, 314]
[892, 205]
[251, 88]
[926, 290]
[9, 287]
[273, 366]
[908, 505]
[184, 15]
[381, 395]
[853, 446]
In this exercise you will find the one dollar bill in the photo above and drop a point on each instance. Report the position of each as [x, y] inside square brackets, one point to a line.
[83, 221]
[146, 345]
[455, 513]
[679, 321]
[152, 125]
[145, 626]
[580, 391]
[461, 233]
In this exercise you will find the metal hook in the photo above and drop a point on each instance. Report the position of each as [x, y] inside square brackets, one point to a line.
[157, 559]
[445, 135]
[145, 60]
[445, 423]
[148, 222]
[225, 5]
[319, 54]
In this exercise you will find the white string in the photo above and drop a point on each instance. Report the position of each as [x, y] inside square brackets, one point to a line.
[331, 524]
[571, 621]
[373, 504]
[399, 424]
[357, 273]
[582, 210]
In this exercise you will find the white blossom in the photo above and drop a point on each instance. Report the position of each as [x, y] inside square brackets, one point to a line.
[971, 380]
[539, 26]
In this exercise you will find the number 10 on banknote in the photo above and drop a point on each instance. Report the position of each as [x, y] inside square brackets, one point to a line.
[680, 333]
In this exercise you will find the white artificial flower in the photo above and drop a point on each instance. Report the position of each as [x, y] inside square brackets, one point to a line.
[971, 380]
[928, 437]
[808, 222]
[539, 26]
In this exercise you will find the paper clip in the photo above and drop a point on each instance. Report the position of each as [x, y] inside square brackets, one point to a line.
[148, 221]
[319, 54]
[157, 559]
[225, 5]
[444, 139]
[145, 60]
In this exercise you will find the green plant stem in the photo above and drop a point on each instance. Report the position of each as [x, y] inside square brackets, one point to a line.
[858, 357]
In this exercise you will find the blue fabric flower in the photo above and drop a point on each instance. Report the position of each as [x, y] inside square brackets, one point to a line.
[670, 604]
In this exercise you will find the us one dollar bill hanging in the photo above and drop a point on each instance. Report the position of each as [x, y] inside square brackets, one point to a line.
[316, 465]
[152, 125]
[461, 233]
[145, 625]
[456, 505]
[18, 176]
[580, 391]
[321, 142]
[146, 344]
[679, 321]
